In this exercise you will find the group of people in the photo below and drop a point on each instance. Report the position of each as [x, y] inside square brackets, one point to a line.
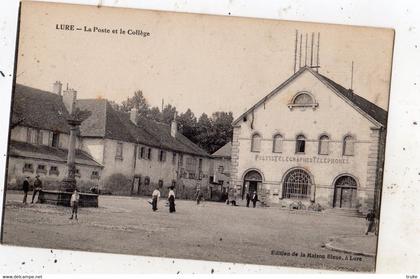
[37, 187]
[171, 199]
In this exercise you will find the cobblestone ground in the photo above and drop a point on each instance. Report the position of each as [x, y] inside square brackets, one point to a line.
[211, 231]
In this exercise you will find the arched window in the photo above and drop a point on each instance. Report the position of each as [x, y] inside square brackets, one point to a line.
[303, 99]
[277, 143]
[348, 145]
[300, 144]
[297, 185]
[323, 148]
[256, 143]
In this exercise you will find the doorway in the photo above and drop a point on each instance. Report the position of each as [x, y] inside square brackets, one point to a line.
[345, 192]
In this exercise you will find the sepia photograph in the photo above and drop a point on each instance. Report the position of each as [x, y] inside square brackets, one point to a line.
[199, 137]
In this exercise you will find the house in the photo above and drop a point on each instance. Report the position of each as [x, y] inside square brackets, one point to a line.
[39, 137]
[120, 153]
[310, 140]
[138, 153]
[220, 172]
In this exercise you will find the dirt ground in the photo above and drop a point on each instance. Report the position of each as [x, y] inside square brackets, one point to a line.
[211, 231]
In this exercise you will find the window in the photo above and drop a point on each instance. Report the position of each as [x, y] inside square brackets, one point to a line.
[162, 155]
[348, 146]
[200, 165]
[181, 160]
[191, 166]
[277, 143]
[94, 175]
[160, 183]
[147, 181]
[323, 148]
[142, 151]
[220, 169]
[173, 184]
[54, 170]
[149, 154]
[256, 143]
[77, 173]
[300, 144]
[173, 158]
[303, 99]
[297, 185]
[119, 151]
[41, 169]
[55, 139]
[28, 168]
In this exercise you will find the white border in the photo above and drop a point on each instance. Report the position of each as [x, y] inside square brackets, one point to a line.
[400, 223]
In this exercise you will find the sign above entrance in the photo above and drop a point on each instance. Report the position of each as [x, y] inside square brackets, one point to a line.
[302, 159]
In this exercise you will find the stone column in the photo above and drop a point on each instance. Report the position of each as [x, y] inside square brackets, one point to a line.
[69, 182]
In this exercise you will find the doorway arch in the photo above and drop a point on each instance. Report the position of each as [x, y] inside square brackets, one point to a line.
[345, 192]
[252, 182]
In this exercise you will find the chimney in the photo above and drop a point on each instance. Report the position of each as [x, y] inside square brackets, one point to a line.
[57, 86]
[174, 126]
[133, 116]
[69, 99]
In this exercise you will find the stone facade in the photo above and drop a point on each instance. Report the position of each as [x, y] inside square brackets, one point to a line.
[307, 141]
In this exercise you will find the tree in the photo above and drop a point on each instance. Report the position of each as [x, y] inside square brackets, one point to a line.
[188, 125]
[154, 114]
[138, 101]
[168, 113]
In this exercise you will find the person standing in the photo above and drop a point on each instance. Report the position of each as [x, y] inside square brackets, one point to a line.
[248, 199]
[155, 199]
[74, 203]
[370, 220]
[171, 199]
[254, 199]
[25, 188]
[199, 196]
[37, 187]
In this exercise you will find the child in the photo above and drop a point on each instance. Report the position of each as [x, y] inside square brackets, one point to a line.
[74, 203]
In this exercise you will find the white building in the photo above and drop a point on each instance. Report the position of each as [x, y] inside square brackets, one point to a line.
[310, 139]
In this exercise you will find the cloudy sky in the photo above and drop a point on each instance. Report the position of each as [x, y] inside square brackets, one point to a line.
[206, 63]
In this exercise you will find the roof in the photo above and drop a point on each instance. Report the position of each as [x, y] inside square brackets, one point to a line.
[39, 109]
[43, 152]
[106, 122]
[224, 152]
[364, 106]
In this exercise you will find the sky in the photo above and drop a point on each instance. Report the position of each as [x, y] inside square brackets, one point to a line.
[202, 62]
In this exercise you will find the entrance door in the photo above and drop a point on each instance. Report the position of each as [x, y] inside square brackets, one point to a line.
[136, 185]
[345, 192]
[251, 181]
[346, 197]
[253, 187]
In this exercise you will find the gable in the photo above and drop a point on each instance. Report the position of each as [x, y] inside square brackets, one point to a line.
[368, 110]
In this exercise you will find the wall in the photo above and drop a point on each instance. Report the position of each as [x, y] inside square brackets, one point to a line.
[16, 175]
[333, 117]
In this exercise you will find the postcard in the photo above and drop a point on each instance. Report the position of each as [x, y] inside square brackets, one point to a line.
[197, 137]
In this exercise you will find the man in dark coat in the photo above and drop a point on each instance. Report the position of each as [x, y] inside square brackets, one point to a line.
[248, 199]
[37, 187]
[254, 199]
[370, 220]
[25, 188]
[171, 199]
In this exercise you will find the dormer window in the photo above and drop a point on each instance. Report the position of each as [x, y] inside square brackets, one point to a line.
[303, 100]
